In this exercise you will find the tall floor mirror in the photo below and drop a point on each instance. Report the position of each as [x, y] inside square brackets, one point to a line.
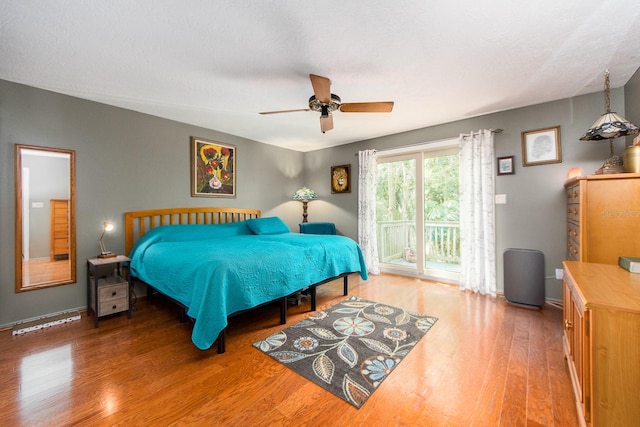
[45, 217]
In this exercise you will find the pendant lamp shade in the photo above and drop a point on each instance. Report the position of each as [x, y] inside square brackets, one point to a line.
[610, 124]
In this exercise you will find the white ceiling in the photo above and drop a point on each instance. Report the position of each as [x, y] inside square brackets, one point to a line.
[216, 64]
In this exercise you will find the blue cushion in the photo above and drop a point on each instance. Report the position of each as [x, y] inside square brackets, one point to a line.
[317, 228]
[268, 225]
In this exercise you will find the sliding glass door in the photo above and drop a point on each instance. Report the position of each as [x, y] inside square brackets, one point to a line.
[418, 213]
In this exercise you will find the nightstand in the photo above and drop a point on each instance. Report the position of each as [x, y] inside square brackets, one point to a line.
[107, 290]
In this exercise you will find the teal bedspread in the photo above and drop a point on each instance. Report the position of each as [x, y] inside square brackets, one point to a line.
[218, 270]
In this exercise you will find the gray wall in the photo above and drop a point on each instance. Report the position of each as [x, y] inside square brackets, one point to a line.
[632, 100]
[124, 161]
[129, 161]
[534, 216]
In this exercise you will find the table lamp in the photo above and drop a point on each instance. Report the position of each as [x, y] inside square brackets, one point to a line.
[104, 253]
[305, 195]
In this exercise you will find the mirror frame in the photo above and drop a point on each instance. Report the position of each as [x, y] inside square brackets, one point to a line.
[21, 287]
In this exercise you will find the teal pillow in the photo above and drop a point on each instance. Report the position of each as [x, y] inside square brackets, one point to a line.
[268, 225]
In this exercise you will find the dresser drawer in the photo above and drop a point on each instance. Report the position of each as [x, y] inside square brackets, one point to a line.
[573, 232]
[573, 251]
[573, 203]
[573, 194]
[573, 212]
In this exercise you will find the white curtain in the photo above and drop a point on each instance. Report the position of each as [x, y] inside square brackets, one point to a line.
[367, 236]
[477, 214]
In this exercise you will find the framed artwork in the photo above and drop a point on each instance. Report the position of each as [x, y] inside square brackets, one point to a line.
[505, 165]
[541, 146]
[341, 179]
[213, 169]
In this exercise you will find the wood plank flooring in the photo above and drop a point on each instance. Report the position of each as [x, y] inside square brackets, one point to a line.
[484, 363]
[42, 270]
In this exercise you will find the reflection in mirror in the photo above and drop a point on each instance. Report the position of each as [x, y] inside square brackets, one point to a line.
[45, 217]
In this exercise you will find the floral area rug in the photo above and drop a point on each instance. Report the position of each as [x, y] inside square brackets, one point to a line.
[350, 348]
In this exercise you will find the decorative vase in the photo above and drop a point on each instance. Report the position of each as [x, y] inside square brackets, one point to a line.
[632, 159]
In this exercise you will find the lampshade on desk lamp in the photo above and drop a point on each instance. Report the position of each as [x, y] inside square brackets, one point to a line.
[305, 195]
[104, 253]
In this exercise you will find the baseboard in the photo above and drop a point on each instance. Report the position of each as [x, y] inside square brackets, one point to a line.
[45, 322]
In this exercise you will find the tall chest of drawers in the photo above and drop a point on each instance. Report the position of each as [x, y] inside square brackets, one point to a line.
[59, 228]
[603, 217]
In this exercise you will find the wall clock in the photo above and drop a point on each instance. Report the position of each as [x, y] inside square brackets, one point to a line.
[341, 179]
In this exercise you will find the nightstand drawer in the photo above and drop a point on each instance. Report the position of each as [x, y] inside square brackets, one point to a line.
[113, 306]
[112, 288]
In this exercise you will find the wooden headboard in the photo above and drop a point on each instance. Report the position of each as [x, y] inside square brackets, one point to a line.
[137, 223]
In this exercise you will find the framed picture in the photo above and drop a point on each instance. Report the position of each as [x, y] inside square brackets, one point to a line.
[213, 169]
[341, 179]
[505, 165]
[541, 146]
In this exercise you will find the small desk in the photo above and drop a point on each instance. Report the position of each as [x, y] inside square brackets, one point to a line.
[107, 291]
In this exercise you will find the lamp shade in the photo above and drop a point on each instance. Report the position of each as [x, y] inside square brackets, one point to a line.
[305, 194]
[609, 125]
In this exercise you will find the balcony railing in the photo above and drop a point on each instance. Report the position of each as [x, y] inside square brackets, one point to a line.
[396, 242]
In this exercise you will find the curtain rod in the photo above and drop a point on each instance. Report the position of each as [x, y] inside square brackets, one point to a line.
[426, 143]
[490, 130]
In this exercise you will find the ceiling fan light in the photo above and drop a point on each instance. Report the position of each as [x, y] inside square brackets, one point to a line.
[325, 103]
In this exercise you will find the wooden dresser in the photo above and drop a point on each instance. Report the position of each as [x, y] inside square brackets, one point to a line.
[601, 341]
[603, 217]
[59, 229]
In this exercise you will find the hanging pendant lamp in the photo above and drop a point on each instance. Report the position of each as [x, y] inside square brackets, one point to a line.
[610, 125]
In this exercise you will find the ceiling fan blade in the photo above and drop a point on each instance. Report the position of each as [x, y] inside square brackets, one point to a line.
[326, 123]
[367, 107]
[284, 111]
[321, 88]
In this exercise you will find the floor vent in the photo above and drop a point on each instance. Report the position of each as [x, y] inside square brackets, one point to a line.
[45, 322]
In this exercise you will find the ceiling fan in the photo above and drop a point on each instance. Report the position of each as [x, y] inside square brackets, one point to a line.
[326, 103]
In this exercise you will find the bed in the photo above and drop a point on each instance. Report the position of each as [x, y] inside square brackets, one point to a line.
[216, 262]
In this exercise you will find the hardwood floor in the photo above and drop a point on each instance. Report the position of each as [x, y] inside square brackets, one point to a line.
[484, 363]
[43, 270]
